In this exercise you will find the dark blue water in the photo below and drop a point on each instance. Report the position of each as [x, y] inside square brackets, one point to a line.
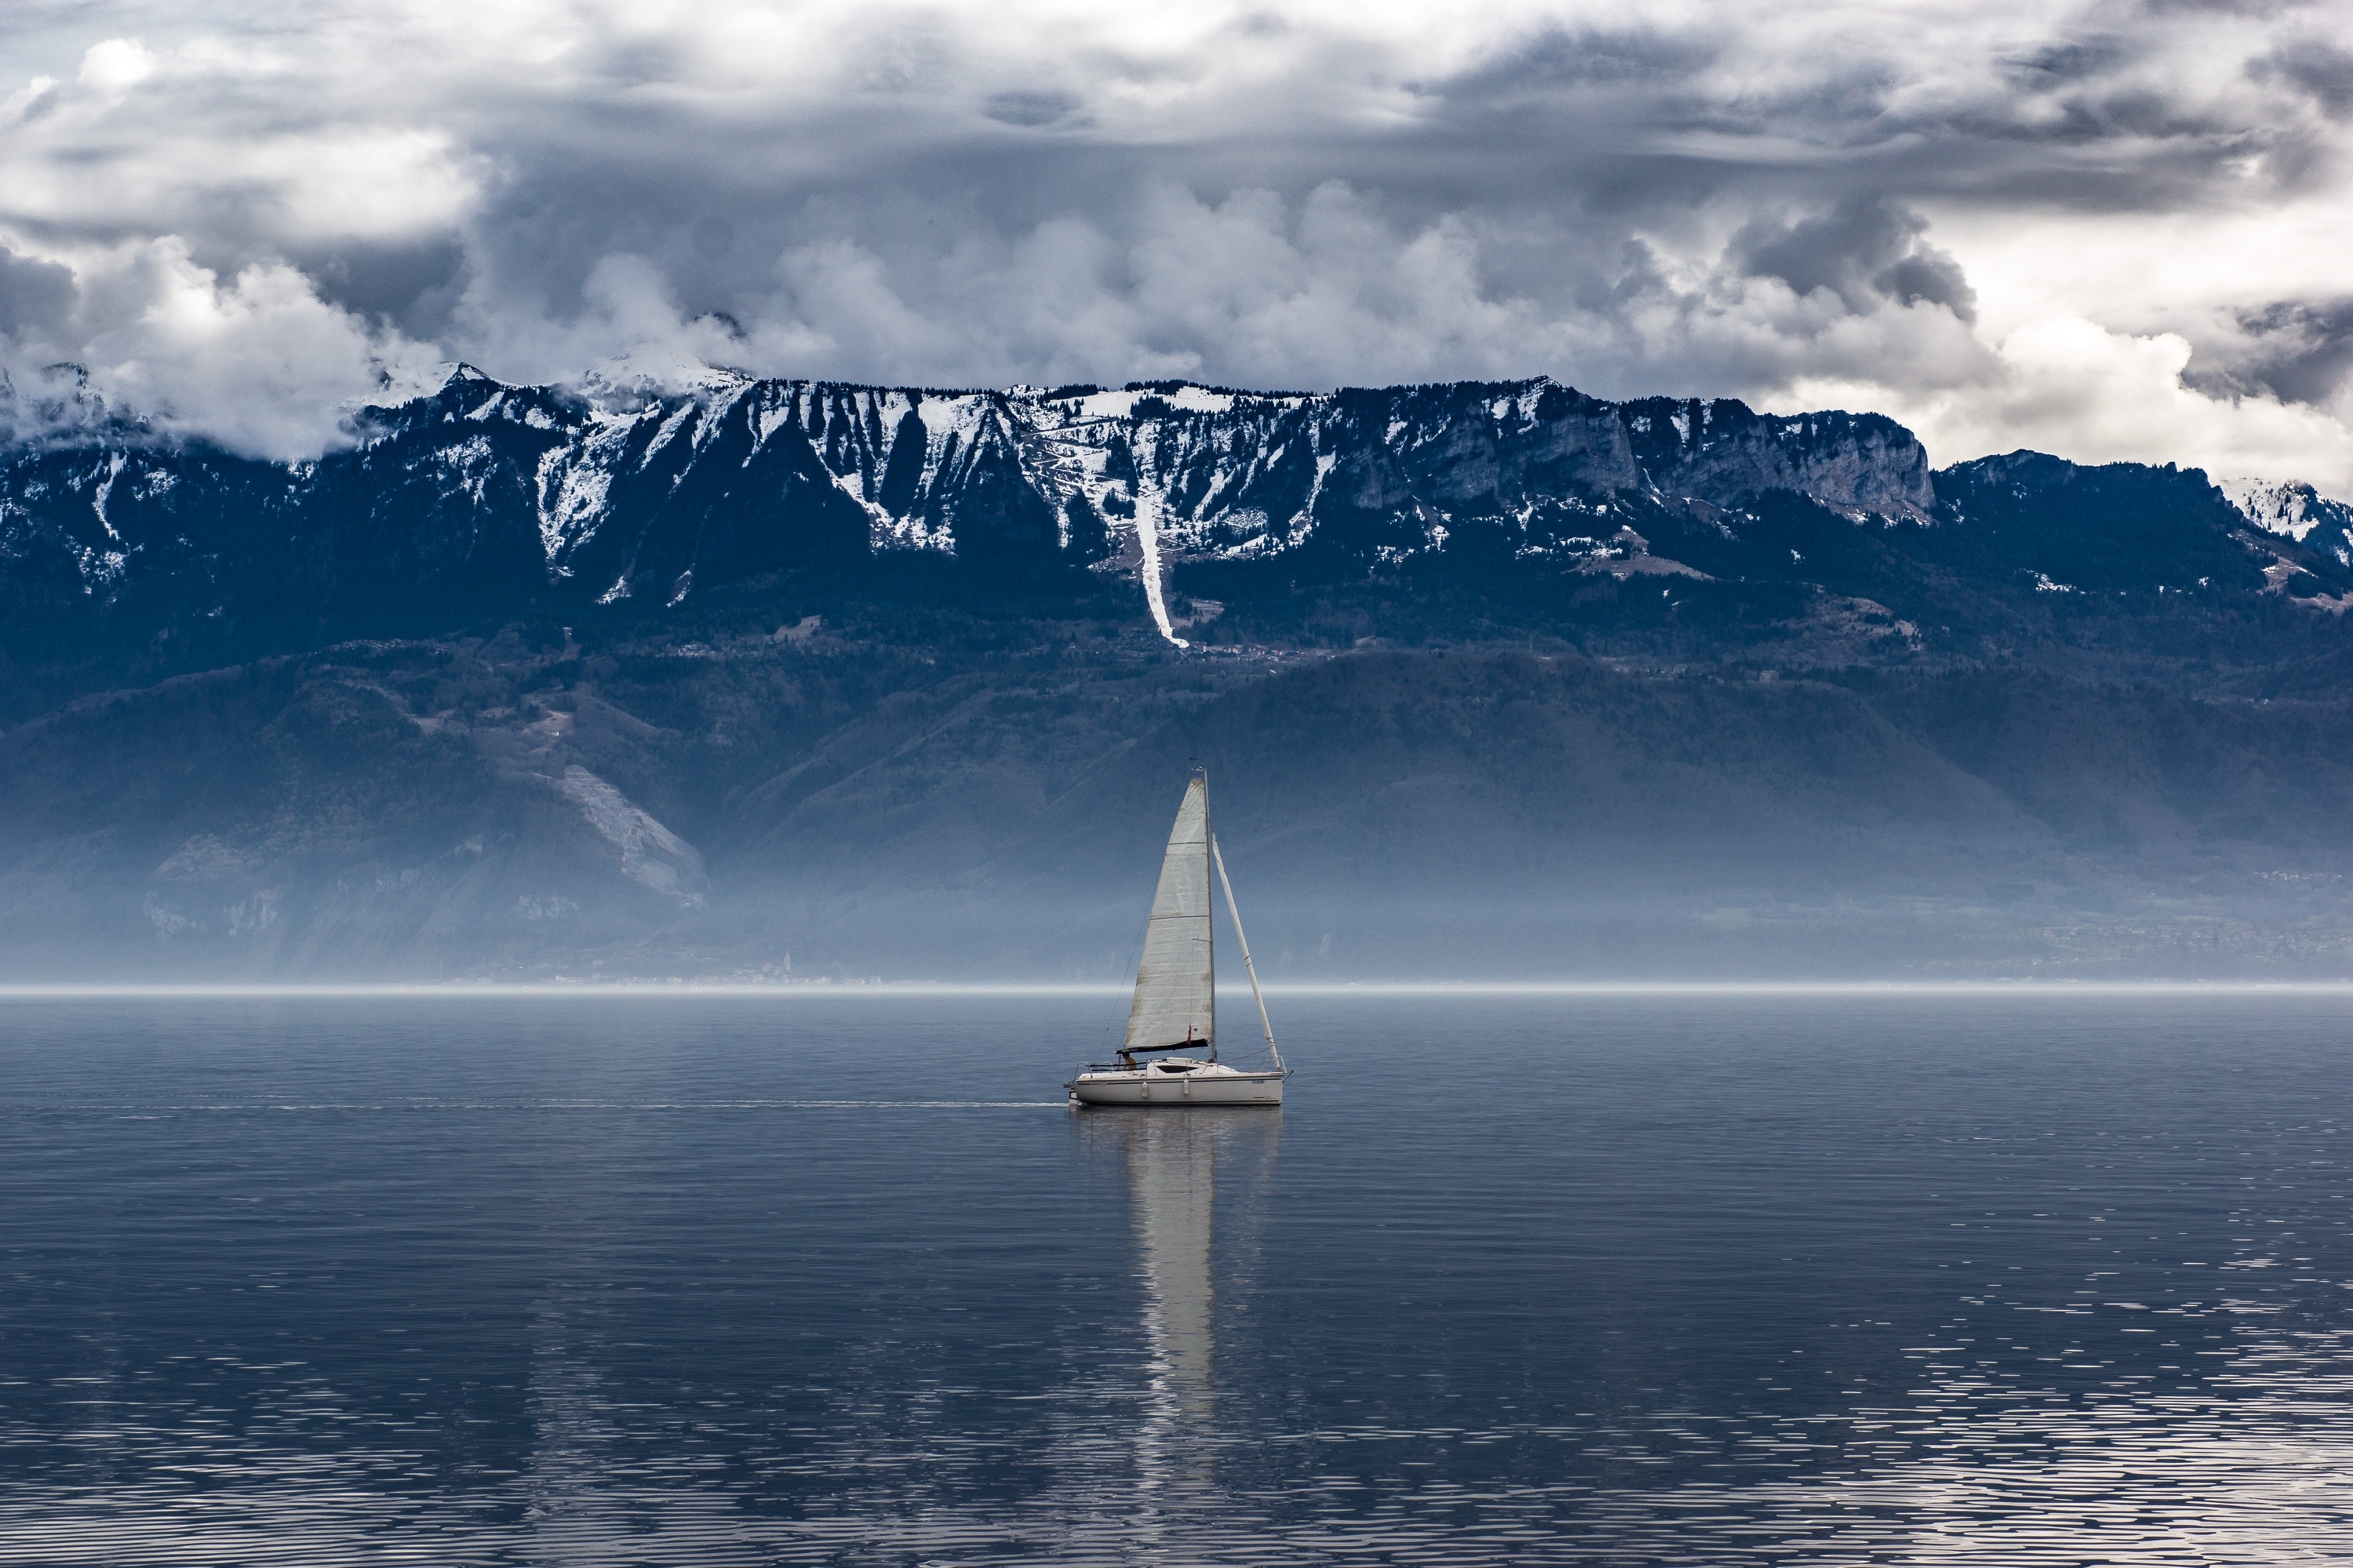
[843, 1281]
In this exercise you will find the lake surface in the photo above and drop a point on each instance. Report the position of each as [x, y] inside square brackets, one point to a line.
[842, 1279]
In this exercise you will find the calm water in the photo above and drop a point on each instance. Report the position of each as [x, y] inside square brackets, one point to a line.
[842, 1280]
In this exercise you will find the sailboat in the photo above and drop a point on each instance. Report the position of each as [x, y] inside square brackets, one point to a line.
[1175, 1006]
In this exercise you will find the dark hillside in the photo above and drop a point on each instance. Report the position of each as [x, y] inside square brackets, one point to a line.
[1493, 679]
[435, 809]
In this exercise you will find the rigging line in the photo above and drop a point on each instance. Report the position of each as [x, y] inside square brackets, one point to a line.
[1249, 968]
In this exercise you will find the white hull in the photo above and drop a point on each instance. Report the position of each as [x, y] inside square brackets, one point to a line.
[1206, 1085]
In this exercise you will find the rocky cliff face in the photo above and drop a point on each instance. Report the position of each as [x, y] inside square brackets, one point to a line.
[486, 494]
[1539, 508]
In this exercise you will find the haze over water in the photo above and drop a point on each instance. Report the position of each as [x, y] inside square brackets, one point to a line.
[1718, 1278]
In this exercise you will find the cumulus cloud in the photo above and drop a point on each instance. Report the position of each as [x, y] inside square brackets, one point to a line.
[2104, 229]
[258, 362]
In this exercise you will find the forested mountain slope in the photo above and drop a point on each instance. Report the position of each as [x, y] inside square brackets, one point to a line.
[1493, 679]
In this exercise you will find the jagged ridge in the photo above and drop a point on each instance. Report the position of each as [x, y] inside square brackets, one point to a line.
[489, 491]
[488, 497]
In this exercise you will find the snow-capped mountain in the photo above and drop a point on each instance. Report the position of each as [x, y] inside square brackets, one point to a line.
[487, 499]
[486, 493]
[2296, 510]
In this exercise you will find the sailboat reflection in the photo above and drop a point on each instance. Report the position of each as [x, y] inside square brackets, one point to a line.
[1177, 1166]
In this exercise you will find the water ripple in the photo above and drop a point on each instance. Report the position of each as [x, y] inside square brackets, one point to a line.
[1659, 1280]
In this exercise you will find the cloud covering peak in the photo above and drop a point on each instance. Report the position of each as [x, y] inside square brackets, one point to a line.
[2105, 230]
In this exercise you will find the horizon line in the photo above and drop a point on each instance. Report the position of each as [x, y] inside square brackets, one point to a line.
[229, 990]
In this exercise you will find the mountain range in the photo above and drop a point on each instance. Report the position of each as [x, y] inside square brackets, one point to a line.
[1493, 679]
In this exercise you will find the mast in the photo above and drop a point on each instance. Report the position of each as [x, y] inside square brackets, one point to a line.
[1209, 854]
[1209, 921]
[1218, 856]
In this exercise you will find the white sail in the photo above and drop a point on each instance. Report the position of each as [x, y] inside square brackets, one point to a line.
[1175, 990]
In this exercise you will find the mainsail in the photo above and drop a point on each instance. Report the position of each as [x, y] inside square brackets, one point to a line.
[1176, 989]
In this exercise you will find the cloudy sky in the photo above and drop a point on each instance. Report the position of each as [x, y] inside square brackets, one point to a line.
[2110, 231]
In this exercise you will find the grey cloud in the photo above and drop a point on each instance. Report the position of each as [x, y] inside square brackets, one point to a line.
[2068, 62]
[1930, 276]
[410, 285]
[1560, 60]
[903, 200]
[2296, 351]
[714, 236]
[2258, 8]
[1032, 108]
[1865, 251]
[36, 297]
[2318, 67]
[2092, 120]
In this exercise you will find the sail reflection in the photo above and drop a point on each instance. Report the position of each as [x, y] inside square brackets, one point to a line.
[1183, 1167]
[1172, 1171]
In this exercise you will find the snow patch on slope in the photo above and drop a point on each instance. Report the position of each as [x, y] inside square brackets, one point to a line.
[1147, 538]
[573, 484]
[1122, 404]
[2284, 506]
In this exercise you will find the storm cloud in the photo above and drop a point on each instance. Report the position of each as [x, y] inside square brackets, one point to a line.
[2105, 230]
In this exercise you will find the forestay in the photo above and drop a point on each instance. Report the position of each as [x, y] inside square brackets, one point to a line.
[1176, 991]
